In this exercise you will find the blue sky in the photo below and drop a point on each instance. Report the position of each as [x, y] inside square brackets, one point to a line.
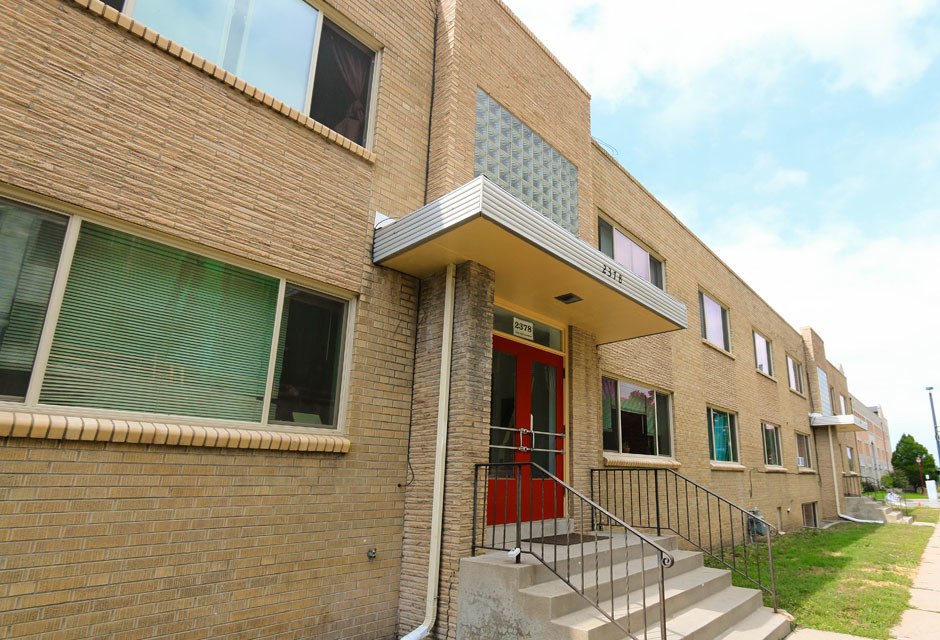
[801, 142]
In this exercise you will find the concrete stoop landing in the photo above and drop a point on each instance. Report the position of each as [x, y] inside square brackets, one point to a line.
[501, 600]
[867, 509]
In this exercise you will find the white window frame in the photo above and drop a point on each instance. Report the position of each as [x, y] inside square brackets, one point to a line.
[777, 439]
[809, 453]
[57, 294]
[725, 320]
[642, 245]
[672, 442]
[770, 353]
[795, 377]
[735, 434]
[326, 12]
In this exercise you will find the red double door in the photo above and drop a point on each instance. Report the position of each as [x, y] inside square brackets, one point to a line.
[527, 425]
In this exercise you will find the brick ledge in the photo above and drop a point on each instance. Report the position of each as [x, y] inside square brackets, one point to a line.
[133, 27]
[20, 424]
[634, 460]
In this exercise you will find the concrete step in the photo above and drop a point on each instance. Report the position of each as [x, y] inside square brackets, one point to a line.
[554, 598]
[568, 559]
[763, 624]
[681, 592]
[711, 616]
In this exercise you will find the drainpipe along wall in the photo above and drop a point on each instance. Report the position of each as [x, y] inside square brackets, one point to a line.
[440, 463]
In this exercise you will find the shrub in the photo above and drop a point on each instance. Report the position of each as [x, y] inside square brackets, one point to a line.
[887, 480]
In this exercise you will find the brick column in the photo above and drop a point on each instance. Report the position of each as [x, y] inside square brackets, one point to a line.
[584, 396]
[467, 443]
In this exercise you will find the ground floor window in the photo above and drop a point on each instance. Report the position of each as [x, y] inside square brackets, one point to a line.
[850, 455]
[635, 419]
[722, 435]
[30, 242]
[803, 457]
[772, 455]
[809, 515]
[147, 327]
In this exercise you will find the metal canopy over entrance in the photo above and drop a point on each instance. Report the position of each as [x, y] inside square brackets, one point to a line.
[840, 422]
[537, 264]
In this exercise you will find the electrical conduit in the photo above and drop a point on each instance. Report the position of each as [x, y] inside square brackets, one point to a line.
[440, 463]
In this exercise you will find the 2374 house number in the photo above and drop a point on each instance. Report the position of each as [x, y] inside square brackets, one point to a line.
[614, 275]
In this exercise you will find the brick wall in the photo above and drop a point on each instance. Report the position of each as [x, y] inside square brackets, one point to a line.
[467, 444]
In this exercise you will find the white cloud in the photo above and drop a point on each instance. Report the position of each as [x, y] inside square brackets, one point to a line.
[614, 45]
[874, 300]
[786, 179]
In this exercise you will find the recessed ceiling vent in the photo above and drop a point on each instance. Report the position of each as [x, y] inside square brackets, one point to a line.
[568, 298]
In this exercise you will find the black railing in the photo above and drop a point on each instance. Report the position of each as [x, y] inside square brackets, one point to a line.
[851, 486]
[663, 500]
[562, 530]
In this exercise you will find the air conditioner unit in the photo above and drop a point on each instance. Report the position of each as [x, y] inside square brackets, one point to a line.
[800, 461]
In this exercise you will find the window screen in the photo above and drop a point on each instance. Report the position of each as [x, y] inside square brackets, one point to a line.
[30, 243]
[342, 84]
[307, 369]
[147, 327]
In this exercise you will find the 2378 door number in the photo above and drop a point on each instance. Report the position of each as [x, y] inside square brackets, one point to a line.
[614, 275]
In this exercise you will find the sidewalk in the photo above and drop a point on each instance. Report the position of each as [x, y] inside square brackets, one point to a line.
[922, 620]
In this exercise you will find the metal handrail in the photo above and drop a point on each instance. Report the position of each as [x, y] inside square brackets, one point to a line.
[851, 485]
[561, 565]
[692, 521]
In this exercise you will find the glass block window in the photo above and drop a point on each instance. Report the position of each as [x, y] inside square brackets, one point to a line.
[518, 160]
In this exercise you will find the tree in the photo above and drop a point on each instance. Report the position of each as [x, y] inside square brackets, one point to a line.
[905, 459]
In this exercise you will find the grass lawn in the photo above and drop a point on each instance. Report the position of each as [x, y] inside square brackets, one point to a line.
[878, 496]
[922, 514]
[851, 578]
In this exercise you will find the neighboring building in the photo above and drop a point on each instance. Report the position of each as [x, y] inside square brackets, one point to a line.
[223, 370]
[874, 446]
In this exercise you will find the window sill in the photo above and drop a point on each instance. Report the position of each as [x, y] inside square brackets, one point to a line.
[719, 349]
[122, 21]
[717, 465]
[766, 375]
[21, 424]
[773, 468]
[806, 470]
[799, 393]
[612, 459]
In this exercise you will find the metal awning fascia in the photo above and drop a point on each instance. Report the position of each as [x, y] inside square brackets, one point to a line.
[481, 198]
[844, 422]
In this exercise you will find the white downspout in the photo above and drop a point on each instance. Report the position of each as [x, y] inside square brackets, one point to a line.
[832, 456]
[440, 462]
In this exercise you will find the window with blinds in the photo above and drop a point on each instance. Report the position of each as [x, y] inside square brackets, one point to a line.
[150, 328]
[30, 243]
[147, 327]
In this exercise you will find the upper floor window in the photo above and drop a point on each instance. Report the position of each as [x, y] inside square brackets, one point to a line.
[715, 325]
[722, 435]
[825, 392]
[286, 48]
[842, 403]
[636, 420]
[615, 244]
[517, 159]
[146, 327]
[763, 354]
[795, 374]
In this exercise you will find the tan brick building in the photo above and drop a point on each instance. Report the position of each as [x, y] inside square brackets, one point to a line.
[236, 401]
[874, 445]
